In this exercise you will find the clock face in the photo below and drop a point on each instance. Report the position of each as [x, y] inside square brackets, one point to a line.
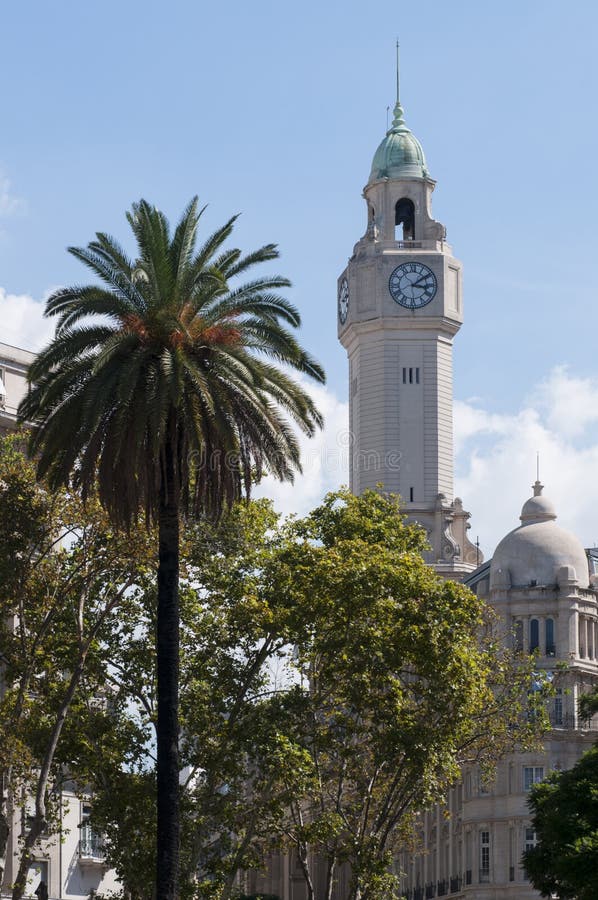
[413, 285]
[343, 301]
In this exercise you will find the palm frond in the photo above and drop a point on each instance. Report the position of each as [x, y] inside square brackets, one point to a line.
[164, 353]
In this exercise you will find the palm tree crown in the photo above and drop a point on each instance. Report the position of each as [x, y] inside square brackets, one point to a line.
[169, 353]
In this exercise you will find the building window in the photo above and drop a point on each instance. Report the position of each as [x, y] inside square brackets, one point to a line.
[90, 843]
[531, 839]
[558, 707]
[483, 784]
[37, 875]
[405, 220]
[534, 635]
[518, 635]
[511, 854]
[411, 375]
[532, 775]
[484, 856]
[550, 644]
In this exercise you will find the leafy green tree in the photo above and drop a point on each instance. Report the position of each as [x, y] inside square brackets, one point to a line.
[157, 388]
[331, 687]
[403, 681]
[63, 574]
[565, 818]
[231, 728]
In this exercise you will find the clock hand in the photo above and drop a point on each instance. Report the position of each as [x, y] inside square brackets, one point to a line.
[419, 281]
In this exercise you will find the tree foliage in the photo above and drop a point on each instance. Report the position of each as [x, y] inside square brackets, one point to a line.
[64, 571]
[331, 684]
[565, 817]
[331, 687]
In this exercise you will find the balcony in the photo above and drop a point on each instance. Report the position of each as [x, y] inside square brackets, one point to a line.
[455, 884]
[91, 850]
[567, 720]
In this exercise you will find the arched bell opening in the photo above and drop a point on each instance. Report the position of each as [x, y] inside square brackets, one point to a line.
[405, 220]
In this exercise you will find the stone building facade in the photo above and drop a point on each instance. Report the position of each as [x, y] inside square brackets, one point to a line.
[542, 584]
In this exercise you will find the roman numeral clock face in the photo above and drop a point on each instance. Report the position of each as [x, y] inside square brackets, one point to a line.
[412, 285]
[343, 301]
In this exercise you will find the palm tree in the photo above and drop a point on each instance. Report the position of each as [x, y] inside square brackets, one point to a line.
[163, 390]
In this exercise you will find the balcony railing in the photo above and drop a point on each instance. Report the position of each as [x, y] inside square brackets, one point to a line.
[455, 885]
[90, 845]
[567, 720]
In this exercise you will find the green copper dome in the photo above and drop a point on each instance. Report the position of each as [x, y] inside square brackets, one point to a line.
[400, 155]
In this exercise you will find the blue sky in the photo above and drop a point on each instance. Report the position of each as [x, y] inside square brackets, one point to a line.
[275, 110]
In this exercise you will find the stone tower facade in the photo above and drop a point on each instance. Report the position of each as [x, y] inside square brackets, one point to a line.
[400, 305]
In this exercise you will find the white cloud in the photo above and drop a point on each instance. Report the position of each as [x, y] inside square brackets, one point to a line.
[324, 458]
[22, 323]
[568, 401]
[496, 458]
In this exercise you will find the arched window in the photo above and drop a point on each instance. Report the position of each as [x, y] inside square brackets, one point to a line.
[534, 635]
[558, 707]
[550, 644]
[518, 634]
[405, 220]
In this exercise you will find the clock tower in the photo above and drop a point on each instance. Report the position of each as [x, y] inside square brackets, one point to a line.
[400, 305]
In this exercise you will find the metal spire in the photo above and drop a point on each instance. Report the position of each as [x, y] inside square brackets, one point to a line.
[538, 486]
[398, 121]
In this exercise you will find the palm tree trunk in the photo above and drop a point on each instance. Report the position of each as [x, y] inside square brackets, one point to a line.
[167, 654]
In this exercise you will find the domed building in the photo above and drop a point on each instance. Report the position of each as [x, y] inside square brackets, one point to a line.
[542, 585]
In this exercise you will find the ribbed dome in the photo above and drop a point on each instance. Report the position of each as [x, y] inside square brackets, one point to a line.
[400, 155]
[534, 552]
